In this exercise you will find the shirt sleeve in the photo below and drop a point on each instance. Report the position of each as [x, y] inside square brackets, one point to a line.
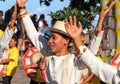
[40, 23]
[39, 41]
[95, 43]
[5, 39]
[102, 70]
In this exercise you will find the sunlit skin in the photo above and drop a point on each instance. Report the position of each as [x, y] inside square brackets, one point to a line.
[58, 44]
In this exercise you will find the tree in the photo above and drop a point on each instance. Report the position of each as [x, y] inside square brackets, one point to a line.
[83, 16]
[2, 0]
[79, 8]
[84, 11]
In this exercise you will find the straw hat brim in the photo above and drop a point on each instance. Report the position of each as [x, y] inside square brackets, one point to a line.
[51, 29]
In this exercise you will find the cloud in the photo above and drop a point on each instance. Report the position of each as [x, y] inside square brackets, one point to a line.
[40, 9]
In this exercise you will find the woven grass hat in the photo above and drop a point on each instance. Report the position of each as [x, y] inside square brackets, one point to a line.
[59, 27]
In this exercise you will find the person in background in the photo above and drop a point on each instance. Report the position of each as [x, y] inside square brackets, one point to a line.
[34, 19]
[11, 62]
[20, 34]
[1, 23]
[5, 41]
[104, 71]
[9, 32]
[34, 65]
[91, 78]
[42, 24]
[1, 17]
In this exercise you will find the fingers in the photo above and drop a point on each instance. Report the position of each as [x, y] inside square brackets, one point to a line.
[66, 23]
[75, 20]
[43, 61]
[70, 18]
[72, 22]
[109, 7]
[114, 1]
[80, 25]
[42, 64]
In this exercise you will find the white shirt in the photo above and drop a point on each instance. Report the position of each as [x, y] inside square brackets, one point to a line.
[42, 28]
[104, 71]
[63, 70]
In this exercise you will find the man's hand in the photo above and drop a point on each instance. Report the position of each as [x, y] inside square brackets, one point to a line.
[42, 65]
[21, 3]
[74, 31]
[72, 28]
[108, 8]
[118, 67]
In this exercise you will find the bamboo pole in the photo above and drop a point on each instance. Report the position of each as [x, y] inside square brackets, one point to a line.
[117, 16]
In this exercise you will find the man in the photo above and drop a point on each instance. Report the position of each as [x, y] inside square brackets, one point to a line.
[12, 58]
[8, 33]
[58, 54]
[62, 67]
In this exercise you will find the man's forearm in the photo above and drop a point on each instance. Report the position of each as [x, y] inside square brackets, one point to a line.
[104, 71]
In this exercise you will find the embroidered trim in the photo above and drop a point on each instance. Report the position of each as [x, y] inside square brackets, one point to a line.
[23, 13]
[80, 51]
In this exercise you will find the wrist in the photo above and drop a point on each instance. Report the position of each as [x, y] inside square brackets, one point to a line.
[21, 7]
[23, 12]
[78, 42]
[79, 51]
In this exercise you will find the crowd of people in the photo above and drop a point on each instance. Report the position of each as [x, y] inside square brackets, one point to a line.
[58, 66]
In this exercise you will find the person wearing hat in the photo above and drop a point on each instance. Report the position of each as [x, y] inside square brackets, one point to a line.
[63, 67]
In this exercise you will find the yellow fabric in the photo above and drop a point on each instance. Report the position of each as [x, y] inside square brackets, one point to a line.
[117, 14]
[94, 80]
[1, 33]
[38, 76]
[12, 65]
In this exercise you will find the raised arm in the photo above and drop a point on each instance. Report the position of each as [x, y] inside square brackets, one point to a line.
[7, 35]
[104, 71]
[102, 16]
[96, 41]
[34, 36]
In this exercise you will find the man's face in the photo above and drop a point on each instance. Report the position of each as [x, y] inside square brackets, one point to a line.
[12, 43]
[57, 43]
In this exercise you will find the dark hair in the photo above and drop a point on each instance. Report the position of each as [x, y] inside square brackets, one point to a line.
[1, 11]
[15, 37]
[8, 15]
[42, 16]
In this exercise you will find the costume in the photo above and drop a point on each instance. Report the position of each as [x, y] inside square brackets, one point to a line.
[1, 33]
[55, 69]
[95, 43]
[94, 80]
[102, 70]
[12, 65]
[59, 70]
[5, 39]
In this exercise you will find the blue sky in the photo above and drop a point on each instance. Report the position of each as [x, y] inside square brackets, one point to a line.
[34, 7]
